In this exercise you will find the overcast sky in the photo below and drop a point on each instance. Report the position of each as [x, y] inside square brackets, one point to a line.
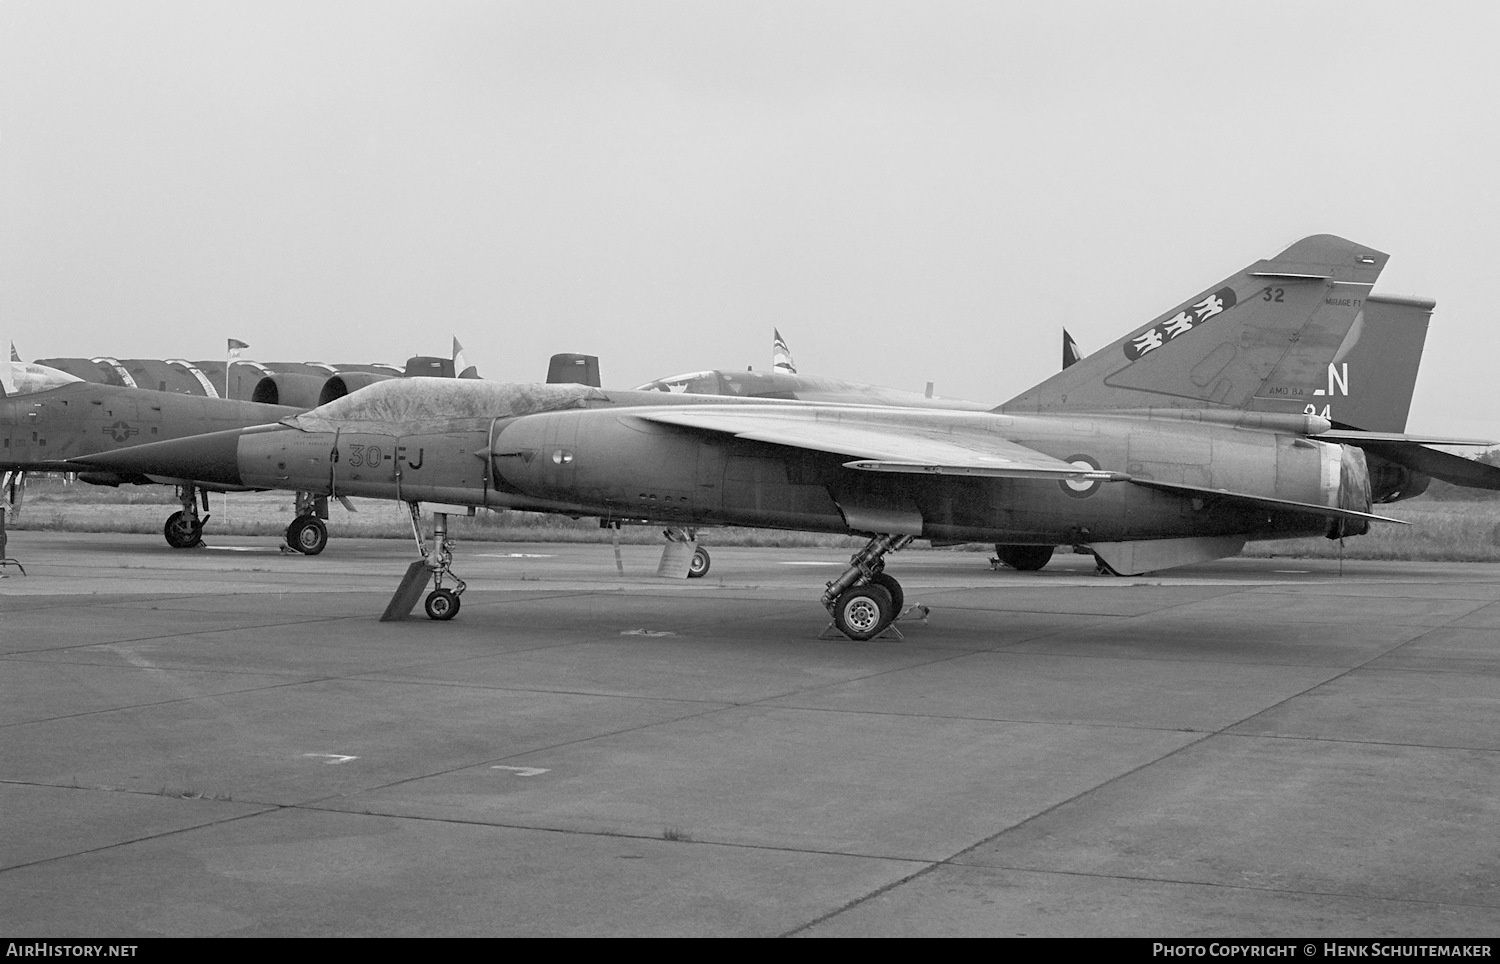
[911, 192]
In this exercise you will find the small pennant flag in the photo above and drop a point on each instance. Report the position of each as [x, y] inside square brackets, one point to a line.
[234, 347]
[1071, 354]
[461, 366]
[781, 355]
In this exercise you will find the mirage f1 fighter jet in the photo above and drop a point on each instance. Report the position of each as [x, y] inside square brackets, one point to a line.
[1147, 452]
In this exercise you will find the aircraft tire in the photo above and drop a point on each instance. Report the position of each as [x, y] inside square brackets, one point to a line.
[891, 586]
[307, 534]
[441, 604]
[180, 531]
[698, 567]
[1024, 558]
[863, 612]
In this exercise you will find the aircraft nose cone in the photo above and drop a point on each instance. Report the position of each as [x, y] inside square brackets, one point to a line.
[200, 458]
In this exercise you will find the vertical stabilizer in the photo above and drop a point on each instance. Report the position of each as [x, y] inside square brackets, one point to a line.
[568, 368]
[1267, 331]
[1369, 383]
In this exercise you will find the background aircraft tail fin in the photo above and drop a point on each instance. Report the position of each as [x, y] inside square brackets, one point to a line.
[568, 368]
[1370, 381]
[1268, 331]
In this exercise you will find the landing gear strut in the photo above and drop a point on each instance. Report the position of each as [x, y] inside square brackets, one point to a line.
[184, 529]
[436, 563]
[863, 601]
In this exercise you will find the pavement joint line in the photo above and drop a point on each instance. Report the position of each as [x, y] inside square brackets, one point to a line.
[528, 752]
[1182, 882]
[196, 632]
[951, 859]
[1347, 672]
[179, 699]
[265, 809]
[982, 719]
[1302, 738]
[612, 834]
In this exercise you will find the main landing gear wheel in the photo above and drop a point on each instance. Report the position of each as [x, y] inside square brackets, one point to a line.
[698, 567]
[863, 612]
[1024, 558]
[307, 534]
[893, 588]
[183, 531]
[442, 604]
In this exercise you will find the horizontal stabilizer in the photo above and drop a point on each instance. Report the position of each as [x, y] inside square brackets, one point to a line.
[1354, 437]
[1444, 466]
[1279, 505]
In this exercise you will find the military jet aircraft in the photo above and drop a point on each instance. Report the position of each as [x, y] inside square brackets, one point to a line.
[48, 417]
[300, 384]
[51, 413]
[1146, 452]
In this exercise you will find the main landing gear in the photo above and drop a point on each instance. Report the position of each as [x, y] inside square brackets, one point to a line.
[864, 601]
[1021, 558]
[308, 534]
[184, 528]
[436, 562]
[700, 561]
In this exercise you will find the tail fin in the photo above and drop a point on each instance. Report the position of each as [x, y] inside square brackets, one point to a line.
[1269, 331]
[568, 368]
[1370, 381]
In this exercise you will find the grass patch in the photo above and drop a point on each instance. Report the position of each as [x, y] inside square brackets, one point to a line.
[1441, 531]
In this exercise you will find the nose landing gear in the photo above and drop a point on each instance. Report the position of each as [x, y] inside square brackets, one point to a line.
[436, 563]
[184, 529]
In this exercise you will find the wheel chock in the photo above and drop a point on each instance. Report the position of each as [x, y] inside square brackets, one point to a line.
[407, 594]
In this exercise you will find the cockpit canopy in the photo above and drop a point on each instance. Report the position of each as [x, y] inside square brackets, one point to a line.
[17, 378]
[404, 405]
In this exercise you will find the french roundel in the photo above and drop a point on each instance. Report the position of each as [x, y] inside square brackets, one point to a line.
[1080, 488]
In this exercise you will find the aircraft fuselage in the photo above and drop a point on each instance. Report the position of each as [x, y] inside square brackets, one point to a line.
[43, 431]
[613, 463]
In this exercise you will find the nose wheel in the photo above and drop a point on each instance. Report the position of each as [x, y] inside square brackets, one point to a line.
[442, 604]
[184, 528]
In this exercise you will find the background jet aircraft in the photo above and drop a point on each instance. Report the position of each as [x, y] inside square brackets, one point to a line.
[48, 418]
[301, 384]
[50, 415]
[1146, 451]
